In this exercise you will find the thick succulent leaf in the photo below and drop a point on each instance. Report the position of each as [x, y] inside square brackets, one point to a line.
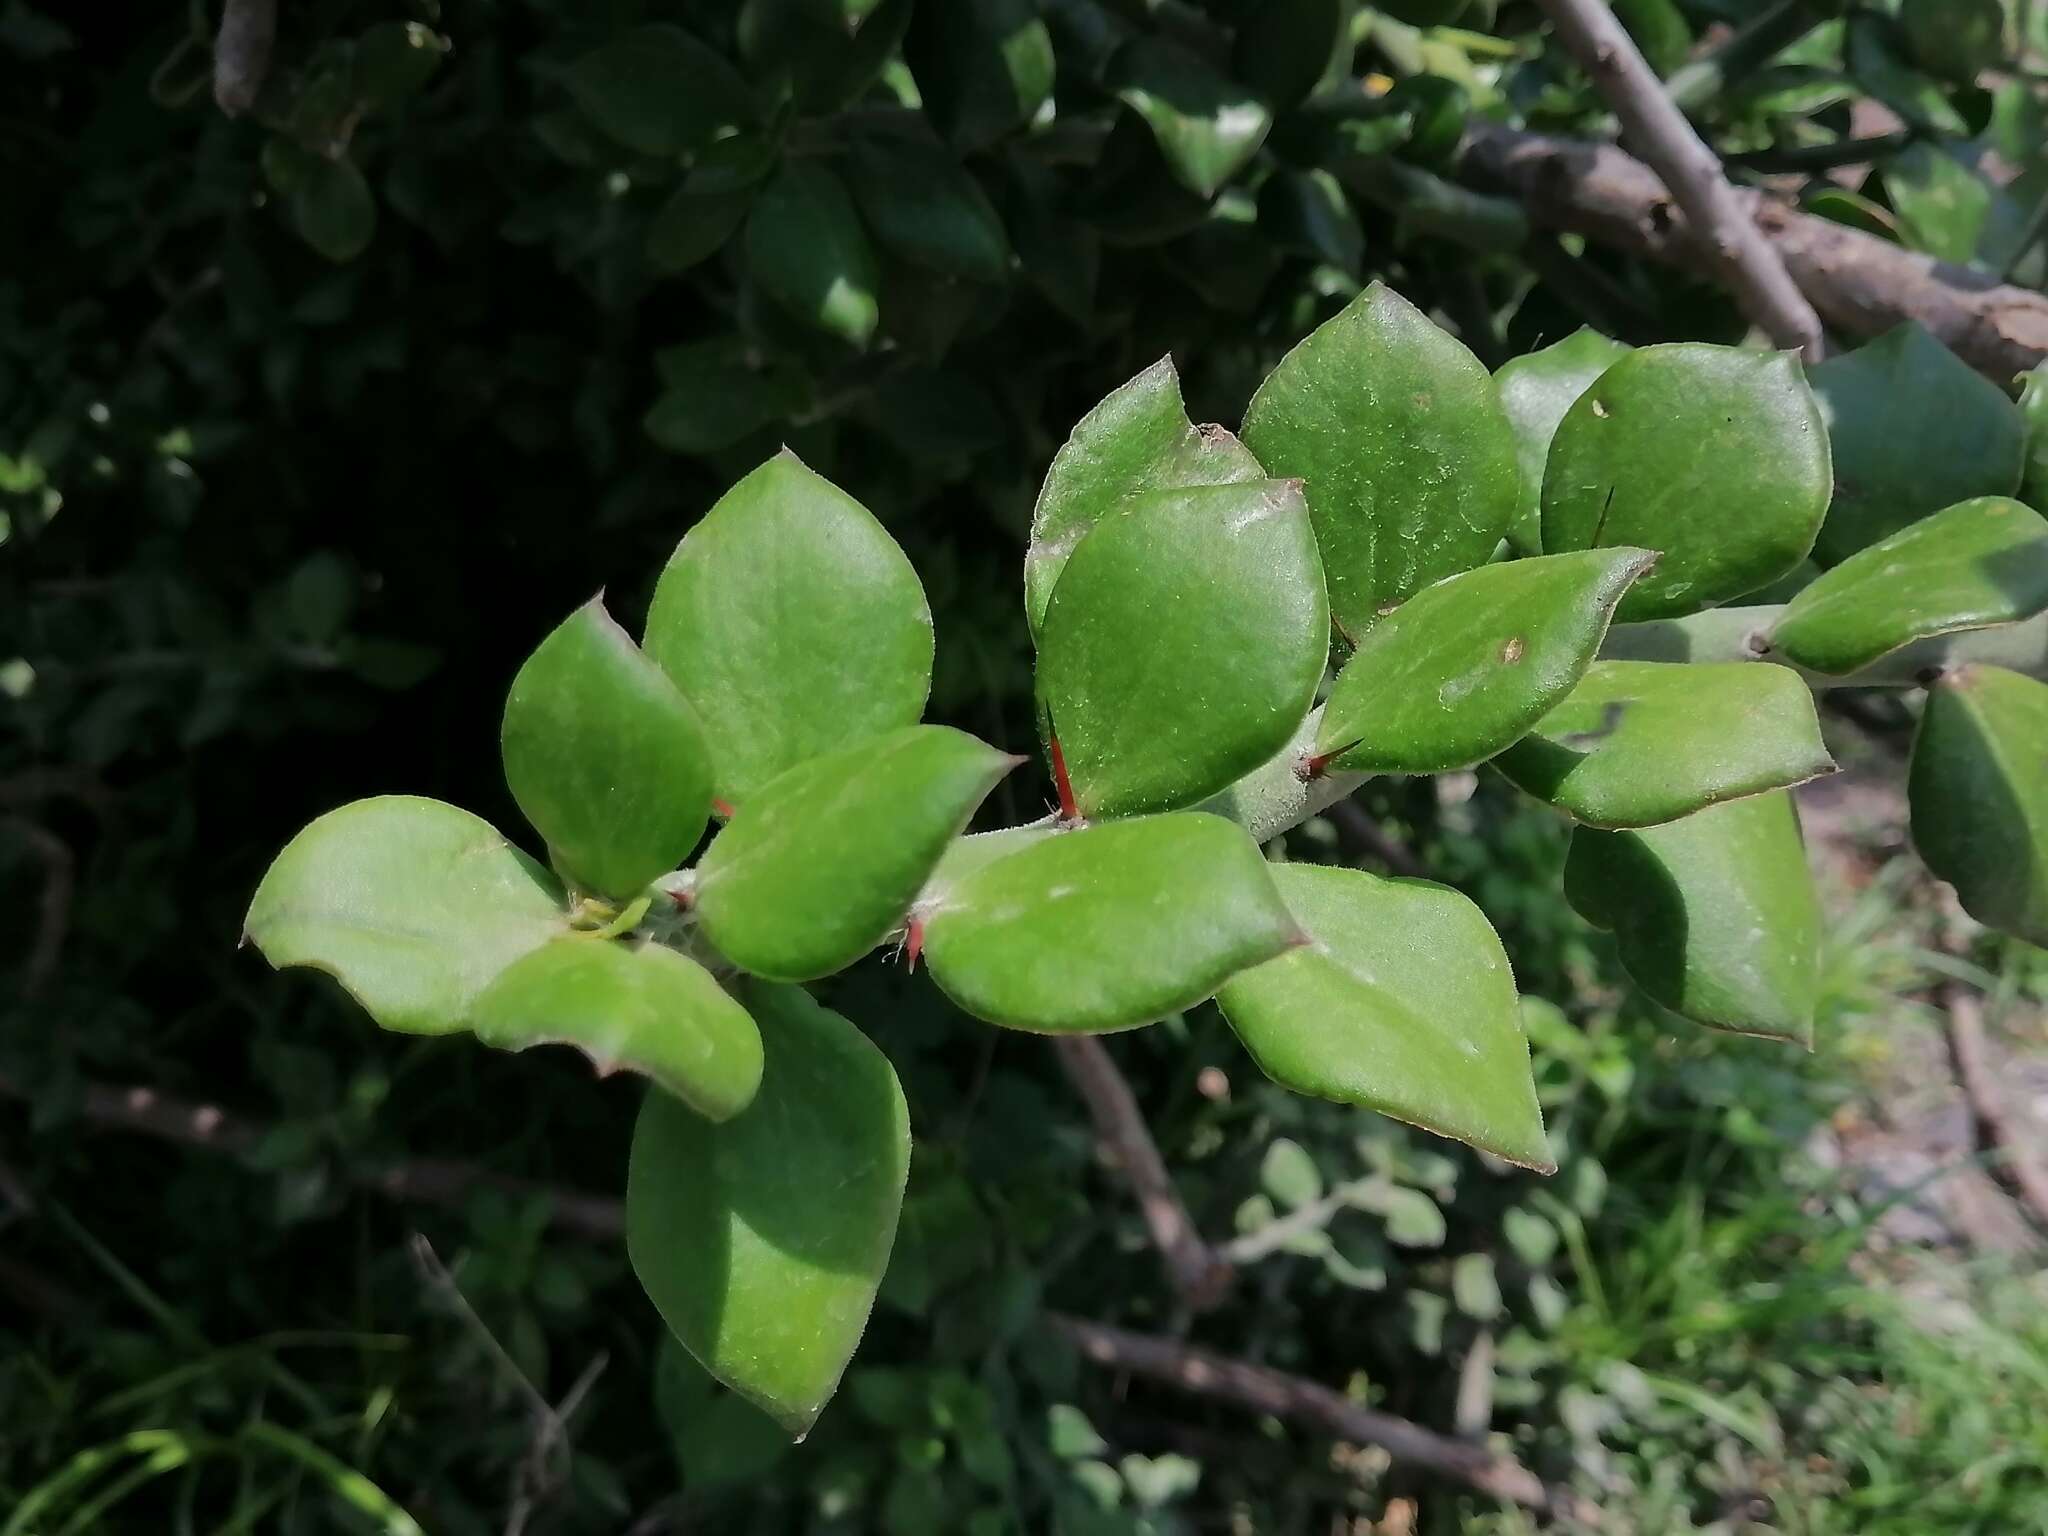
[983, 67]
[1643, 742]
[1913, 429]
[792, 623]
[605, 757]
[2034, 415]
[1536, 390]
[634, 1006]
[1714, 456]
[806, 248]
[1979, 796]
[1207, 126]
[1137, 439]
[823, 861]
[412, 905]
[656, 89]
[1107, 927]
[1976, 564]
[924, 207]
[1407, 457]
[1956, 39]
[1715, 914]
[762, 1240]
[1464, 668]
[1183, 644]
[1403, 1003]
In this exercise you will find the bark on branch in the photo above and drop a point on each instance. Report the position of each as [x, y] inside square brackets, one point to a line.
[1199, 1274]
[1860, 285]
[241, 53]
[2004, 1147]
[1308, 1403]
[1651, 121]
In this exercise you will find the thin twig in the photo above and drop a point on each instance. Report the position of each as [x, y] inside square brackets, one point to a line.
[60, 881]
[241, 53]
[2002, 1143]
[1313, 1217]
[1263, 1390]
[1652, 123]
[1199, 1274]
[429, 1181]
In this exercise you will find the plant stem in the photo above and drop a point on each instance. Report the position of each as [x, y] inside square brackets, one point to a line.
[1651, 121]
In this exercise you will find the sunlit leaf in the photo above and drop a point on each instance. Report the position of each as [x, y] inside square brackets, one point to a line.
[1536, 389]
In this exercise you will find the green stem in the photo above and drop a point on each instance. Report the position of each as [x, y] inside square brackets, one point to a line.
[1777, 29]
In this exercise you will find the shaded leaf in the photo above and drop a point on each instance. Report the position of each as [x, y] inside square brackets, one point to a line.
[925, 208]
[1975, 564]
[1913, 429]
[1956, 39]
[1714, 456]
[1979, 795]
[1536, 390]
[1403, 1003]
[1283, 47]
[762, 1240]
[1643, 742]
[659, 91]
[1207, 126]
[1307, 212]
[1137, 439]
[1464, 668]
[983, 67]
[807, 250]
[331, 208]
[1874, 51]
[792, 623]
[1183, 644]
[412, 905]
[1405, 454]
[1107, 927]
[1715, 914]
[719, 1437]
[605, 757]
[821, 863]
[637, 1006]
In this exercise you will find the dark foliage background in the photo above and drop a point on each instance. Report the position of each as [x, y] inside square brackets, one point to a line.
[312, 422]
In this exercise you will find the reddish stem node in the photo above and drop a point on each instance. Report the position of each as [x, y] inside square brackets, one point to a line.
[1069, 809]
[722, 808]
[913, 943]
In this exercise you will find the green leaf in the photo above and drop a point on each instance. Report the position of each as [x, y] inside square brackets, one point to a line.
[983, 67]
[1536, 390]
[1463, 669]
[925, 208]
[1107, 927]
[792, 623]
[659, 91]
[1283, 47]
[807, 250]
[692, 225]
[1714, 456]
[718, 394]
[762, 1240]
[331, 208]
[394, 60]
[1407, 458]
[1979, 796]
[1976, 564]
[412, 905]
[1956, 39]
[1183, 644]
[1137, 439]
[1943, 206]
[1873, 49]
[2034, 415]
[637, 1006]
[821, 863]
[1289, 1175]
[719, 1438]
[1643, 742]
[605, 757]
[1403, 1003]
[1307, 212]
[1206, 125]
[1715, 914]
[1884, 404]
